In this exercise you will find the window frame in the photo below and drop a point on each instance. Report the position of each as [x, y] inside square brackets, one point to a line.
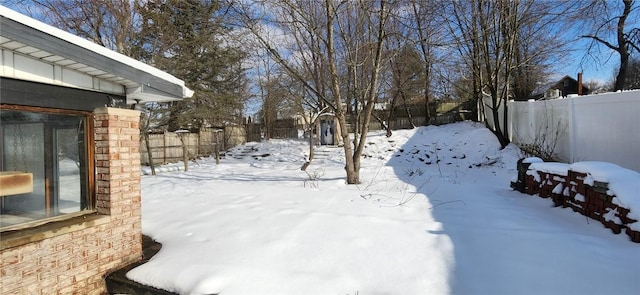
[90, 197]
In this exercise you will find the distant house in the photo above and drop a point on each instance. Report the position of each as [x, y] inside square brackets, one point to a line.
[562, 88]
[70, 157]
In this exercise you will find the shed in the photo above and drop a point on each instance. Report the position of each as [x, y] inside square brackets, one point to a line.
[328, 130]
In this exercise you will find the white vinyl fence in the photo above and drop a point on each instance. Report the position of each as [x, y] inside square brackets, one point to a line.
[603, 127]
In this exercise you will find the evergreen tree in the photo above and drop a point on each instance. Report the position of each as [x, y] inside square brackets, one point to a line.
[188, 39]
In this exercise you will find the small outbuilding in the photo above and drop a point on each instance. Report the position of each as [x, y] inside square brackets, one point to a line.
[328, 130]
[70, 208]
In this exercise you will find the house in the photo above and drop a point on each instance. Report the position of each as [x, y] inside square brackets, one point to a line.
[70, 162]
[562, 88]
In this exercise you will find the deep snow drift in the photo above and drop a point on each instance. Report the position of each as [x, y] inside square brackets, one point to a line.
[434, 214]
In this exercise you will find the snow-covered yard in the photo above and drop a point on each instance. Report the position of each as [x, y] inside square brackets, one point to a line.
[434, 215]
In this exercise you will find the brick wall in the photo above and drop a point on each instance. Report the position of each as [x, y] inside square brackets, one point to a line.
[569, 190]
[74, 258]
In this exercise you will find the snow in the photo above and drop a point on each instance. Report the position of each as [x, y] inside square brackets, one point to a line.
[623, 183]
[532, 160]
[599, 171]
[611, 216]
[557, 189]
[551, 168]
[434, 214]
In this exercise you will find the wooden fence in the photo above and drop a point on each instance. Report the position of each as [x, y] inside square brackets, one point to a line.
[168, 147]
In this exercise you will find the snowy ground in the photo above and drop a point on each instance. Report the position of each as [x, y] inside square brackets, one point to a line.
[434, 215]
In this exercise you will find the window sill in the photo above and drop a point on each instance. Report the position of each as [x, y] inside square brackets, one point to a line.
[21, 237]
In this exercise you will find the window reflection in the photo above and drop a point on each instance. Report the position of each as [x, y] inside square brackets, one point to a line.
[68, 164]
[49, 148]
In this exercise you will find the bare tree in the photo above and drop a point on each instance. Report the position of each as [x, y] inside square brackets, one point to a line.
[596, 86]
[406, 81]
[321, 52]
[110, 23]
[462, 26]
[540, 25]
[414, 36]
[488, 31]
[606, 19]
[501, 44]
[427, 28]
[268, 87]
[151, 118]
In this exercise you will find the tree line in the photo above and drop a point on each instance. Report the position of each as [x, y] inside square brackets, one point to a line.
[348, 57]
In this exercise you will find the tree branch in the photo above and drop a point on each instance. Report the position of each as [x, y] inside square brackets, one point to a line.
[598, 39]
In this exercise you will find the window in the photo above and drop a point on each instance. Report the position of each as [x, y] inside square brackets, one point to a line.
[44, 167]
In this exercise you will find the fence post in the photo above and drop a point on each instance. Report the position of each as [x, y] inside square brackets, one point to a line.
[217, 144]
[198, 141]
[511, 110]
[184, 137]
[532, 107]
[164, 147]
[572, 129]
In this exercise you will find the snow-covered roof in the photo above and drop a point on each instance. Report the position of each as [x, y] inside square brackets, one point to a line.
[36, 39]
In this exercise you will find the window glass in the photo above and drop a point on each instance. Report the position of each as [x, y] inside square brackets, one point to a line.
[68, 168]
[43, 166]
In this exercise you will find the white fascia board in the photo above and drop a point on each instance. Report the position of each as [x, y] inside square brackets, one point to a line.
[143, 94]
[103, 51]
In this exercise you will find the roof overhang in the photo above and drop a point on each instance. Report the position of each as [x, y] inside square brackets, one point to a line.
[142, 82]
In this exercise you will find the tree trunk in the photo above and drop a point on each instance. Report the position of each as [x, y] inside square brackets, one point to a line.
[498, 129]
[185, 156]
[145, 136]
[427, 113]
[505, 116]
[621, 77]
[311, 145]
[353, 174]
[407, 110]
